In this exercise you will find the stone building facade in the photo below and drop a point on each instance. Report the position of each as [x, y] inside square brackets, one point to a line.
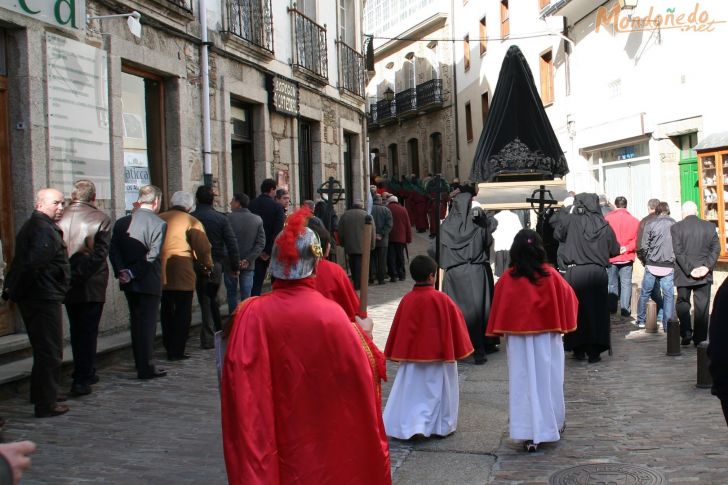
[89, 99]
[411, 109]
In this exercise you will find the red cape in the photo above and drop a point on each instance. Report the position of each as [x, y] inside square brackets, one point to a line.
[428, 327]
[520, 307]
[299, 399]
[333, 282]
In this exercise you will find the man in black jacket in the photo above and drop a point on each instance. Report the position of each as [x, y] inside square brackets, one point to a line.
[136, 246]
[225, 258]
[87, 234]
[696, 248]
[38, 281]
[273, 217]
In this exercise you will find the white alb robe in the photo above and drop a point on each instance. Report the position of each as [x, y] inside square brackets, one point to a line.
[424, 400]
[536, 386]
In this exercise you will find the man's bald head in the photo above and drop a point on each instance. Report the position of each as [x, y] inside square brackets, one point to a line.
[50, 202]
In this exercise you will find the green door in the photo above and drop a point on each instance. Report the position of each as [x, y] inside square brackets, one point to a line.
[689, 189]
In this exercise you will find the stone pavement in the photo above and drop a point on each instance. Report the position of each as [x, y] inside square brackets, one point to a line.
[638, 407]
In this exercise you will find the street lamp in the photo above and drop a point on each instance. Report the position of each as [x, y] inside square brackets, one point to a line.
[389, 94]
[628, 4]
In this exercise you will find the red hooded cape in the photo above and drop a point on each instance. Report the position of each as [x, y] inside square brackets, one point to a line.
[334, 284]
[428, 327]
[299, 399]
[520, 307]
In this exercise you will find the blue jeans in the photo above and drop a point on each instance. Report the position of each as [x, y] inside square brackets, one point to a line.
[668, 297]
[620, 287]
[245, 280]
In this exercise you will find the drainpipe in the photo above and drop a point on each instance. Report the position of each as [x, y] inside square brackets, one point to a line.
[204, 67]
[455, 91]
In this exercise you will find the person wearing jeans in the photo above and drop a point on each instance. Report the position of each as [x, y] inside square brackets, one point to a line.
[656, 245]
[250, 235]
[619, 271]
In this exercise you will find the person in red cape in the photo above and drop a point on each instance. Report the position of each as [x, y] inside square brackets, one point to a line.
[427, 337]
[299, 400]
[546, 309]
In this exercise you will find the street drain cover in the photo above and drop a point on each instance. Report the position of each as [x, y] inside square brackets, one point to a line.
[612, 473]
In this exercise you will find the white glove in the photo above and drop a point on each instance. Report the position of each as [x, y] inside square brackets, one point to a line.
[367, 324]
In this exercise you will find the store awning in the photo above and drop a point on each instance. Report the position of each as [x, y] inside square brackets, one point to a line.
[713, 141]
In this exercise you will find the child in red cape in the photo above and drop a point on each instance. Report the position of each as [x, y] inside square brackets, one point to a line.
[533, 306]
[427, 337]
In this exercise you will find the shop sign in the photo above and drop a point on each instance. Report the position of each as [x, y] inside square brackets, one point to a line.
[69, 14]
[78, 115]
[283, 96]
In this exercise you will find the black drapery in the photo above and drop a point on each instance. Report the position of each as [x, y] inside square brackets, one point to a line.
[518, 136]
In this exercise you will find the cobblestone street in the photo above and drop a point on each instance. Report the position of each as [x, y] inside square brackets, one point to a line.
[638, 407]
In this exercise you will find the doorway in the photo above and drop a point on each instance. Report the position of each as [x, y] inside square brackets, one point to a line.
[241, 147]
[348, 173]
[414, 156]
[7, 317]
[305, 161]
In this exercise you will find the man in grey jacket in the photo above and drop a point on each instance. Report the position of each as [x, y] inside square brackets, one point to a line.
[382, 225]
[249, 232]
[656, 245]
[351, 235]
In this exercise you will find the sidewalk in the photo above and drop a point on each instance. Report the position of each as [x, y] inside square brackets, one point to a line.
[638, 407]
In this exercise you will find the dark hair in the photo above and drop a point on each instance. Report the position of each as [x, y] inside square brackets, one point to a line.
[469, 187]
[422, 267]
[662, 208]
[205, 195]
[280, 193]
[267, 185]
[528, 255]
[242, 199]
[323, 235]
[620, 202]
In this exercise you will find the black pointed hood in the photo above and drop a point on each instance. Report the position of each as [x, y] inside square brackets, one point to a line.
[518, 136]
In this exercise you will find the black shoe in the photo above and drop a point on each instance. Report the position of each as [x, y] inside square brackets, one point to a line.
[382, 282]
[153, 375]
[402, 278]
[173, 358]
[80, 390]
[626, 313]
[686, 339]
[56, 410]
[207, 347]
[94, 379]
[579, 355]
[480, 360]
[491, 349]
[593, 359]
[392, 280]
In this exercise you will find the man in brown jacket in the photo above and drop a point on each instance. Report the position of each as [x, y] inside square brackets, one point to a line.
[87, 234]
[185, 245]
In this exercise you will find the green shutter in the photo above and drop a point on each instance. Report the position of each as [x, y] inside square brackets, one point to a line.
[689, 189]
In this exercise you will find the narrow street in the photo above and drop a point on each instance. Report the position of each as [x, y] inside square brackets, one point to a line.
[638, 407]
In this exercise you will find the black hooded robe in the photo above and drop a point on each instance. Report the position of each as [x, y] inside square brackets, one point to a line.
[464, 253]
[587, 243]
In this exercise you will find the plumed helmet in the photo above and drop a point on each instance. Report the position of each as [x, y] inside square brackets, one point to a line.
[296, 250]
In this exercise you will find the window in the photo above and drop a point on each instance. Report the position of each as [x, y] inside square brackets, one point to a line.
[414, 156]
[142, 100]
[346, 23]
[307, 7]
[468, 122]
[543, 4]
[483, 36]
[505, 24]
[241, 148]
[251, 20]
[466, 53]
[547, 78]
[485, 106]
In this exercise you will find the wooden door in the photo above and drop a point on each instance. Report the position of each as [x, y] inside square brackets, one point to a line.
[7, 316]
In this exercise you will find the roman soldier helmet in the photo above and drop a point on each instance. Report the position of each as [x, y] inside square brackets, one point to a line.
[297, 248]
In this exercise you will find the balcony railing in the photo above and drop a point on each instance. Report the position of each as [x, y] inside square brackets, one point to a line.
[183, 4]
[251, 20]
[309, 45]
[406, 102]
[429, 94]
[386, 111]
[352, 70]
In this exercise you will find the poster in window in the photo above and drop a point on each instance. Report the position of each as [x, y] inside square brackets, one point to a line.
[282, 179]
[136, 175]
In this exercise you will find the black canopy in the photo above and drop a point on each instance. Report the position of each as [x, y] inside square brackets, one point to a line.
[517, 137]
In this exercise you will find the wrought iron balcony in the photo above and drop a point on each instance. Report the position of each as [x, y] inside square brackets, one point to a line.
[406, 103]
[309, 45]
[251, 21]
[429, 94]
[351, 65]
[183, 4]
[386, 111]
[373, 115]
